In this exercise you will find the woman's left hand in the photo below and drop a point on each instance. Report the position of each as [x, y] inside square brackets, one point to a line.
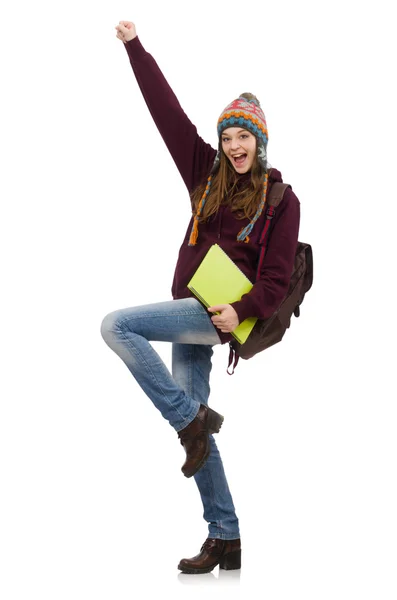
[227, 320]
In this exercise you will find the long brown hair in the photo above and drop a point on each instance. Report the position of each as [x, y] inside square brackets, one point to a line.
[223, 185]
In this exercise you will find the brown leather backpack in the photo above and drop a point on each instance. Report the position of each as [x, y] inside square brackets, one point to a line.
[268, 332]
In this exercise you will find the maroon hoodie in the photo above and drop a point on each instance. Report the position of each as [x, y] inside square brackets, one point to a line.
[194, 159]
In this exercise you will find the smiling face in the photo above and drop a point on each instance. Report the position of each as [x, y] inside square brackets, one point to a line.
[239, 145]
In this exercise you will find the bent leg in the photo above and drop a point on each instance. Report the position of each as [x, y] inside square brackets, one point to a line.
[128, 331]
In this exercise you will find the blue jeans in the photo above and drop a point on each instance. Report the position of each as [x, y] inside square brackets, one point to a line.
[187, 324]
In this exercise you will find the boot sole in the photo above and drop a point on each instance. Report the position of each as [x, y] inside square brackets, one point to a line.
[228, 562]
[196, 571]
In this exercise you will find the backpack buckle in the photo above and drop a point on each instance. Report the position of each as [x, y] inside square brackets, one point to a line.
[270, 212]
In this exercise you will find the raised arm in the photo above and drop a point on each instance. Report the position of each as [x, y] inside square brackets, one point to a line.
[192, 156]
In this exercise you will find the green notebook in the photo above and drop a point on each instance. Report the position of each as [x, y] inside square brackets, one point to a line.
[218, 280]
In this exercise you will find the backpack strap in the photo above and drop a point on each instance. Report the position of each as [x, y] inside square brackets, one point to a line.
[274, 198]
[232, 356]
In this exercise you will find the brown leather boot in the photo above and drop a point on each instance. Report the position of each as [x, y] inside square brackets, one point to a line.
[226, 553]
[194, 438]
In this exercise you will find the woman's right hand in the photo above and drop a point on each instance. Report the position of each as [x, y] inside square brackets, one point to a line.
[125, 31]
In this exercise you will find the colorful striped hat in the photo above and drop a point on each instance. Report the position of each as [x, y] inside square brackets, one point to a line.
[247, 113]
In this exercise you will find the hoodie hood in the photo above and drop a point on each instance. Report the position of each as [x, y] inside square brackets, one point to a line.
[275, 175]
[270, 177]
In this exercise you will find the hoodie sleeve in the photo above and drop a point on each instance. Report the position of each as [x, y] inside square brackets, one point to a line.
[193, 157]
[268, 292]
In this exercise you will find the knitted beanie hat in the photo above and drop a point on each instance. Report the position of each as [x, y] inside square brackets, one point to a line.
[247, 113]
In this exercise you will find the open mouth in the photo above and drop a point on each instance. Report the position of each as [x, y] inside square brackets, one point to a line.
[239, 159]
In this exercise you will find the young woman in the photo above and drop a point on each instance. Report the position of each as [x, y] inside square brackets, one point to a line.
[227, 189]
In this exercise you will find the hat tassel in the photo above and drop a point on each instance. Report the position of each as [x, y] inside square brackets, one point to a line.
[243, 235]
[194, 232]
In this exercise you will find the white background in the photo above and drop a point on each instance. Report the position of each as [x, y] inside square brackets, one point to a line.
[93, 503]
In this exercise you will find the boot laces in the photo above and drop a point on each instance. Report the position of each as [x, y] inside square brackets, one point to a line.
[185, 436]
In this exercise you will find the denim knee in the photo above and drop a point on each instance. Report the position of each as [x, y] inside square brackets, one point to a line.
[109, 325]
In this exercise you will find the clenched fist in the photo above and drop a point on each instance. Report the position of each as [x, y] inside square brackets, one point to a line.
[125, 31]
